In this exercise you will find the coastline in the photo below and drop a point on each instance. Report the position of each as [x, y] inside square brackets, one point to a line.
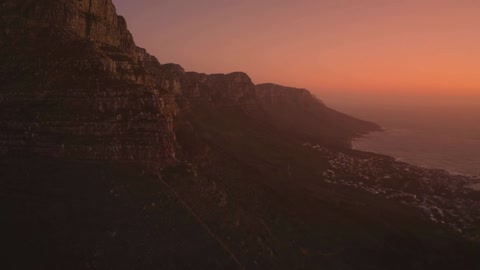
[405, 159]
[444, 198]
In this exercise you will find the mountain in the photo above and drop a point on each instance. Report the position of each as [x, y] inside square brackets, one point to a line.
[74, 85]
[299, 112]
[111, 160]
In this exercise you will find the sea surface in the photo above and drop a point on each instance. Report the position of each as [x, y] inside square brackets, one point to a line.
[441, 137]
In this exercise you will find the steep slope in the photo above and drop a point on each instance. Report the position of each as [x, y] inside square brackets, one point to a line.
[298, 112]
[268, 197]
[74, 85]
[218, 175]
[215, 91]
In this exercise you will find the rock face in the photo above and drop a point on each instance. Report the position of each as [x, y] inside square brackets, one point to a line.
[75, 85]
[87, 19]
[217, 91]
[43, 24]
[299, 112]
[274, 94]
[237, 187]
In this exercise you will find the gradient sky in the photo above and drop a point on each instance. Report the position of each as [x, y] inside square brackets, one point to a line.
[392, 47]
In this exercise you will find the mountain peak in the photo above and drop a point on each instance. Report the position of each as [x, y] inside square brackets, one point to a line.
[86, 19]
[72, 74]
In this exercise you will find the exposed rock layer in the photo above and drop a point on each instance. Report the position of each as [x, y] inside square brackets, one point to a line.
[75, 85]
[245, 194]
[216, 92]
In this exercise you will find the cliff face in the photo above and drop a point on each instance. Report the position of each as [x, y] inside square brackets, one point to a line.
[86, 19]
[43, 25]
[274, 94]
[216, 91]
[300, 113]
[244, 189]
[75, 85]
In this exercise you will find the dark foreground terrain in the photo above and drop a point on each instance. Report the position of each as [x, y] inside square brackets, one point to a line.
[110, 160]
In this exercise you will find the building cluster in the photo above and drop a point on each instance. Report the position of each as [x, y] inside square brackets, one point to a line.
[444, 198]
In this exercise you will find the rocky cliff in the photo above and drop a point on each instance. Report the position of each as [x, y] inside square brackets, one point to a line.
[75, 85]
[216, 91]
[241, 185]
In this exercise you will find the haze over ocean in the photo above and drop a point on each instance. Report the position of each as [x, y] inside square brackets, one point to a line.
[434, 135]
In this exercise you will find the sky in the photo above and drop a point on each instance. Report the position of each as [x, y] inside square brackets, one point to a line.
[348, 48]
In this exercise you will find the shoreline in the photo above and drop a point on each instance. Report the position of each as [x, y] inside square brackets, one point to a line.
[406, 160]
[442, 197]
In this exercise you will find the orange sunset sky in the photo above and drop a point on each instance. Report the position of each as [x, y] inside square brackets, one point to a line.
[378, 46]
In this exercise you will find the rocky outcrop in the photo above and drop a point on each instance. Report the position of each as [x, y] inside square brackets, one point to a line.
[217, 91]
[90, 23]
[110, 124]
[75, 85]
[95, 20]
[274, 94]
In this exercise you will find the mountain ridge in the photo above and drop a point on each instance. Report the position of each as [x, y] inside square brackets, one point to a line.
[87, 45]
[299, 110]
[111, 160]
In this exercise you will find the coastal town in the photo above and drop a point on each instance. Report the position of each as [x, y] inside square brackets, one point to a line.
[451, 200]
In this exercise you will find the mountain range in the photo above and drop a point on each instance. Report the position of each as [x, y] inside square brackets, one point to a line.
[112, 160]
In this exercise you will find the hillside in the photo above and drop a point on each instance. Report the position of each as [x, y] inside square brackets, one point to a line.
[299, 112]
[112, 160]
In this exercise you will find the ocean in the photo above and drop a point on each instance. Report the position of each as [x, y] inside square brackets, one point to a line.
[435, 136]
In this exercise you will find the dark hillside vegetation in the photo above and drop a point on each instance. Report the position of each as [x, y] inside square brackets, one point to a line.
[111, 160]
